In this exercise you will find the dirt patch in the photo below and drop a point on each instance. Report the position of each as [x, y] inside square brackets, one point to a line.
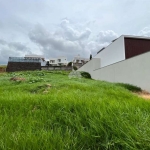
[17, 79]
[143, 94]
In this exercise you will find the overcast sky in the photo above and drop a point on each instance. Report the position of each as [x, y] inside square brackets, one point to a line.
[68, 27]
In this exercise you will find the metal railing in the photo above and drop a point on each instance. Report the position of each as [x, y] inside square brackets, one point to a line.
[23, 59]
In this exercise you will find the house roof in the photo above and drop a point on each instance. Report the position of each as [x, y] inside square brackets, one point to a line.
[135, 37]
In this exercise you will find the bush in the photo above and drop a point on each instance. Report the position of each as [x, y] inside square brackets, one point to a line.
[130, 87]
[69, 64]
[85, 75]
[75, 68]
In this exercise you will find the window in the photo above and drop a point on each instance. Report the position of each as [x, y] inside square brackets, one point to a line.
[59, 60]
[52, 61]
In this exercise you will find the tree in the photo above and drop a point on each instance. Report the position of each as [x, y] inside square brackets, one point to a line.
[75, 68]
[90, 56]
[69, 64]
[47, 63]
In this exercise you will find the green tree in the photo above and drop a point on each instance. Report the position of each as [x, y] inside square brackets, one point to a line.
[69, 64]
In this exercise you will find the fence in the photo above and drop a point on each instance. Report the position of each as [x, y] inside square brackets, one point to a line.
[66, 68]
[23, 59]
[23, 66]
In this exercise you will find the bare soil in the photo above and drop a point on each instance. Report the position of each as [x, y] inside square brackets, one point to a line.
[143, 94]
[17, 79]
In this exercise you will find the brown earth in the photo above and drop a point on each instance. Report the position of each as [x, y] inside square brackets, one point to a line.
[17, 79]
[143, 94]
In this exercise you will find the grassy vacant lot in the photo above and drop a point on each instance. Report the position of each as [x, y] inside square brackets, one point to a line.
[49, 111]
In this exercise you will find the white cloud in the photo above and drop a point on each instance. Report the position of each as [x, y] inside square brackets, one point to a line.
[88, 25]
[145, 32]
[68, 40]
[51, 42]
[12, 49]
[72, 33]
[94, 46]
[106, 36]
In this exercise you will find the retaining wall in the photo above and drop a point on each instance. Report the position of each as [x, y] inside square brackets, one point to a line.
[67, 68]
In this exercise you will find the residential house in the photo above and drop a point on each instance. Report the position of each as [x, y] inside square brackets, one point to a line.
[79, 61]
[29, 62]
[39, 57]
[125, 60]
[59, 61]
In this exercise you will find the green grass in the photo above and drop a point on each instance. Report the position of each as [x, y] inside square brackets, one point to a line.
[71, 114]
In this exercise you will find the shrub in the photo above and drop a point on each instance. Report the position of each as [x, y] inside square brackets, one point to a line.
[69, 64]
[85, 75]
[75, 68]
[130, 87]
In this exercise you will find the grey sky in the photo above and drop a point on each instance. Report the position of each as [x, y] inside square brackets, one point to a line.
[68, 27]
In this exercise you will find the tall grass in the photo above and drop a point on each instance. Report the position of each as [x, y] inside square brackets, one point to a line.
[49, 111]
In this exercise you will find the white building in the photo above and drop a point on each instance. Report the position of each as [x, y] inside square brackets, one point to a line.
[126, 60]
[79, 61]
[39, 57]
[59, 61]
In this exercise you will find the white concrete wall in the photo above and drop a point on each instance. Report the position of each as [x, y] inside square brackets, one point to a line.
[112, 53]
[53, 63]
[135, 70]
[63, 60]
[93, 64]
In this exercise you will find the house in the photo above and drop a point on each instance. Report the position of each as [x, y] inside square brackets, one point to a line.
[126, 60]
[29, 62]
[40, 57]
[79, 61]
[59, 61]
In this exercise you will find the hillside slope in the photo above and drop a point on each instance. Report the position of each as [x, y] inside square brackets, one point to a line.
[49, 111]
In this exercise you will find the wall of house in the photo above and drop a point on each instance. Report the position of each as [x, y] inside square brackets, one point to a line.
[23, 66]
[136, 46]
[112, 53]
[135, 70]
[53, 63]
[91, 65]
[56, 63]
[63, 60]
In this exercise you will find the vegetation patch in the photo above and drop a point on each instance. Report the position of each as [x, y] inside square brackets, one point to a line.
[59, 113]
[41, 89]
[85, 74]
[130, 87]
